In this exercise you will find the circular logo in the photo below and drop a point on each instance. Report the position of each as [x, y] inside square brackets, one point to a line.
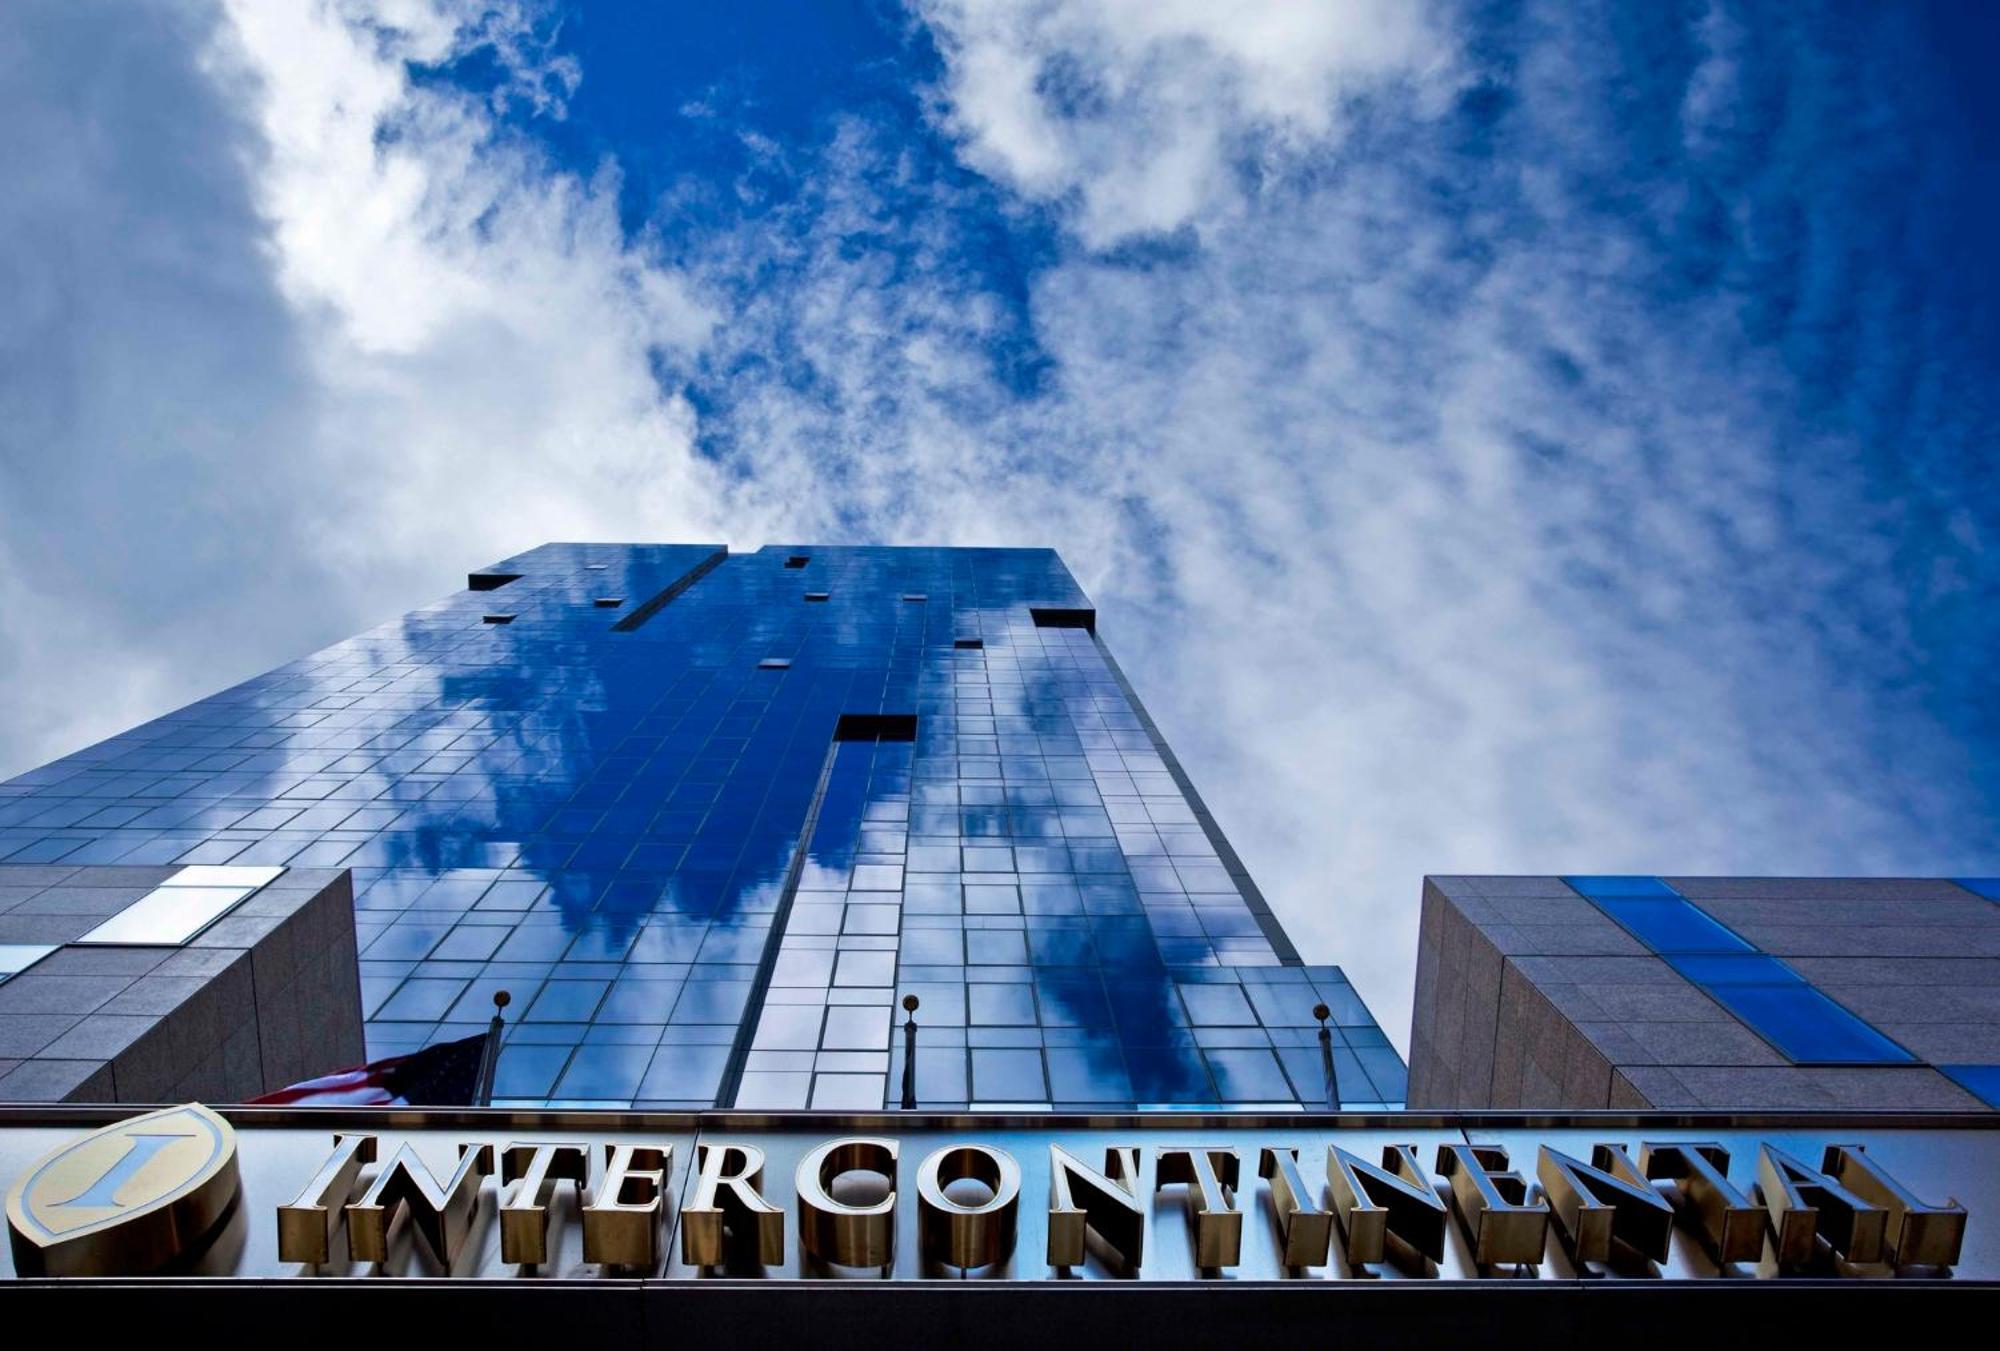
[126, 1199]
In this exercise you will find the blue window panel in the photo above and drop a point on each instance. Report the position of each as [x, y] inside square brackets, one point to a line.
[1248, 1076]
[527, 1071]
[1599, 888]
[1168, 1074]
[1085, 1074]
[1808, 1027]
[1735, 969]
[605, 1073]
[1008, 1076]
[1982, 1081]
[681, 1072]
[1671, 926]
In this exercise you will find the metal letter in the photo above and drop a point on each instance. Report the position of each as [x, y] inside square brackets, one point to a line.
[1804, 1204]
[1306, 1229]
[1396, 1199]
[443, 1215]
[833, 1231]
[962, 1235]
[622, 1231]
[1603, 1200]
[1500, 1222]
[1731, 1224]
[141, 1148]
[731, 1175]
[306, 1227]
[1917, 1234]
[1218, 1227]
[1111, 1206]
[524, 1215]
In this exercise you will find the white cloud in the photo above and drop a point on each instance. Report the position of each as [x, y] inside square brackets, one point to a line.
[481, 325]
[1150, 114]
[300, 340]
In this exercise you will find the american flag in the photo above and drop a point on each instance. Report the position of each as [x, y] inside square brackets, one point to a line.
[444, 1075]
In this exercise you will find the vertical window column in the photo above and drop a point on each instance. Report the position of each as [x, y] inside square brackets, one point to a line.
[822, 1030]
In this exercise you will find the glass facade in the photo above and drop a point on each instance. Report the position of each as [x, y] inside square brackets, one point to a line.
[710, 818]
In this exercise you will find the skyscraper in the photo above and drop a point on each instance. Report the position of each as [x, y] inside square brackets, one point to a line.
[711, 819]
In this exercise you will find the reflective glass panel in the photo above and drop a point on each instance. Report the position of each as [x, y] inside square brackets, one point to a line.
[1606, 887]
[1706, 969]
[1982, 1081]
[1807, 1026]
[18, 957]
[1672, 926]
[167, 916]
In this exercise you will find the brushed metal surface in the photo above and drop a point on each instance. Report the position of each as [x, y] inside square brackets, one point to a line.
[289, 1158]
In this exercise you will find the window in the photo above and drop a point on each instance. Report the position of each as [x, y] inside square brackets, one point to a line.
[167, 916]
[490, 581]
[775, 664]
[876, 727]
[1807, 1026]
[18, 957]
[1982, 1081]
[1735, 969]
[497, 619]
[916, 597]
[1606, 888]
[182, 906]
[645, 610]
[968, 644]
[1672, 926]
[1046, 618]
[798, 560]
[608, 602]
[816, 595]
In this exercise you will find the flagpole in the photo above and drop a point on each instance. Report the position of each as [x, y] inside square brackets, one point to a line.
[1322, 1012]
[489, 1059]
[910, 1053]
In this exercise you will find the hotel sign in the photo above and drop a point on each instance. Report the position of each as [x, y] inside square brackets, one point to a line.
[534, 1196]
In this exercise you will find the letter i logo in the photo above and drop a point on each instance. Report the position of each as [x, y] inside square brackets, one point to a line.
[127, 1198]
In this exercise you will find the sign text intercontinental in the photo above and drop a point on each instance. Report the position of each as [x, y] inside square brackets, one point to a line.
[1154, 1198]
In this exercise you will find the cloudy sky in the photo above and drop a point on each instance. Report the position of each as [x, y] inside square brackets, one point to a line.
[1511, 437]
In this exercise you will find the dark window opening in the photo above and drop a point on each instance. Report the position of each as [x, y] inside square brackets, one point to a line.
[1064, 619]
[798, 560]
[876, 727]
[968, 644]
[915, 596]
[817, 595]
[608, 602]
[490, 581]
[498, 619]
[644, 611]
[774, 664]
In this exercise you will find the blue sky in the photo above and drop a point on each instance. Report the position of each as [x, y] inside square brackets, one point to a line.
[1500, 437]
